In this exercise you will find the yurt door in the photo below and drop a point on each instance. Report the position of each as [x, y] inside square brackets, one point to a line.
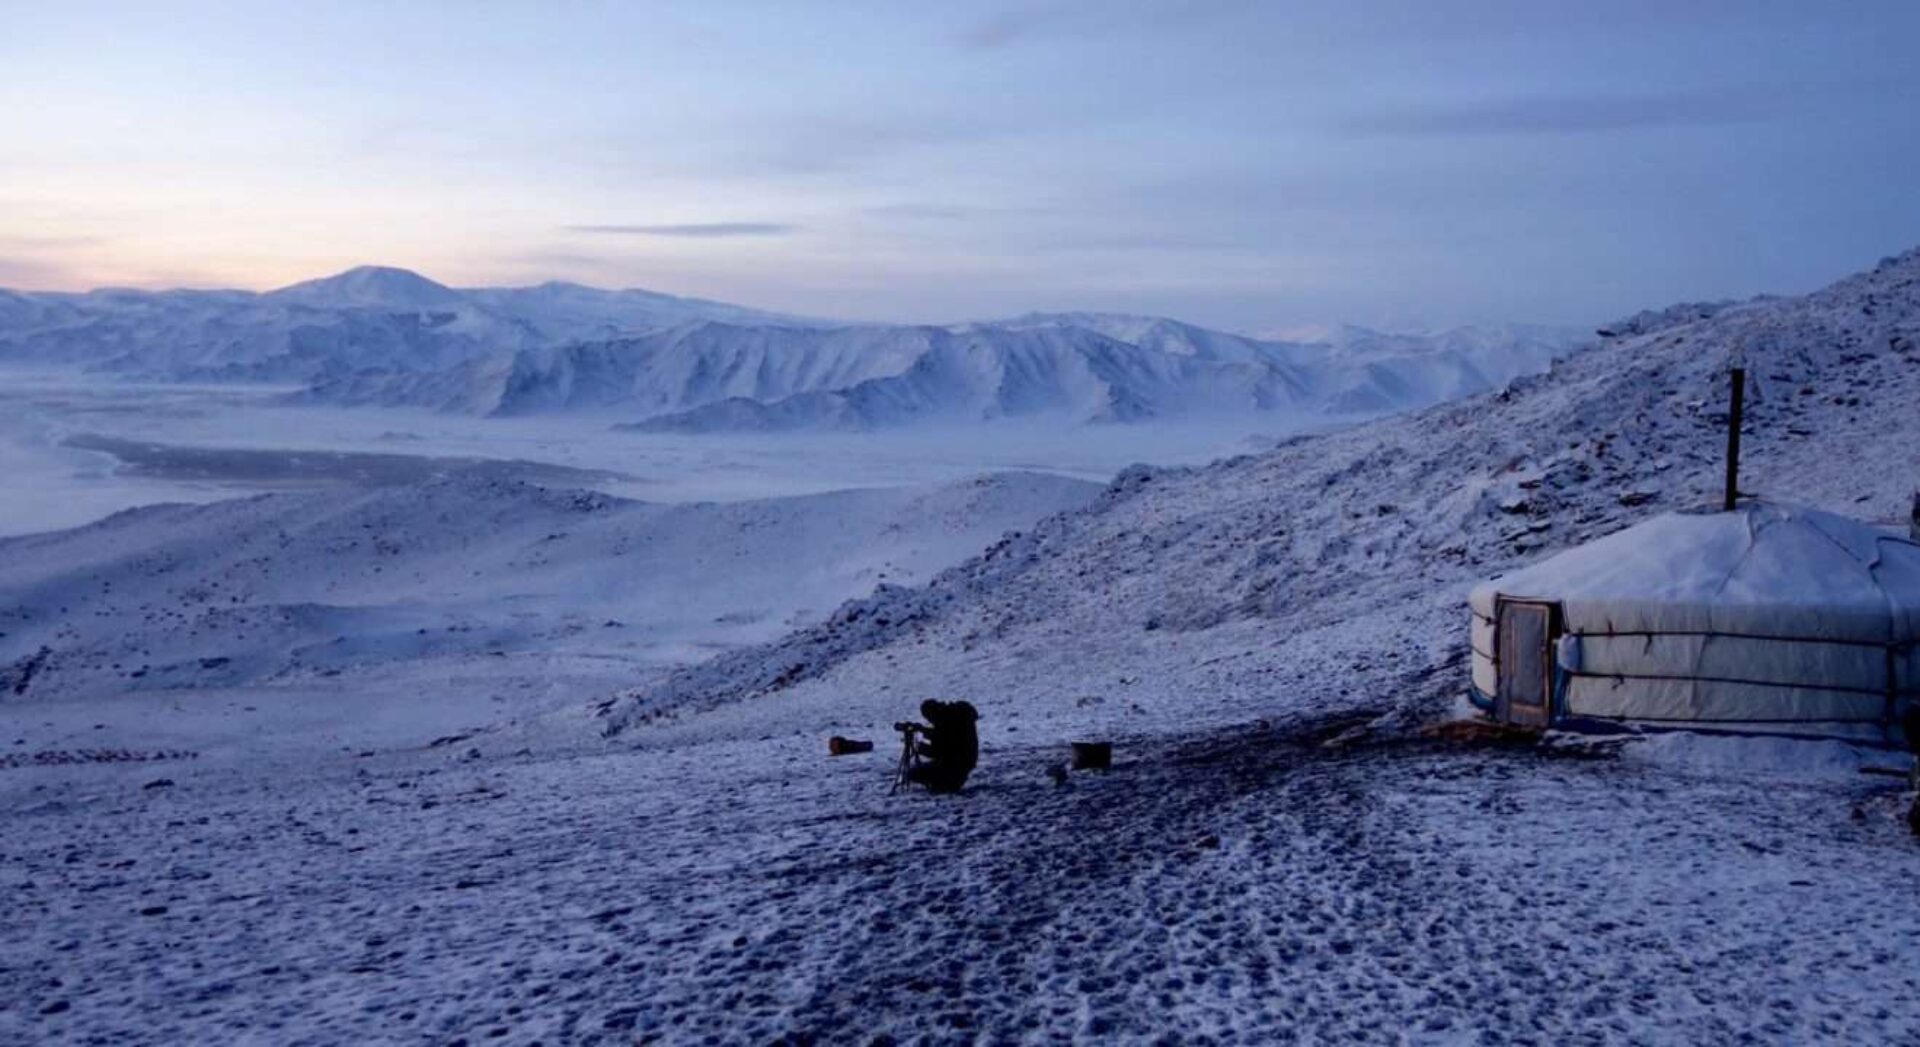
[1526, 663]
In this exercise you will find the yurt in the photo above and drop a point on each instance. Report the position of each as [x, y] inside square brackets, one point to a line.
[1769, 618]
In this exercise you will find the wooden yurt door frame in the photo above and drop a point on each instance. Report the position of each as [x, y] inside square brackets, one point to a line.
[1525, 634]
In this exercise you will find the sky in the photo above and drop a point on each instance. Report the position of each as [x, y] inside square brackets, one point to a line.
[1255, 166]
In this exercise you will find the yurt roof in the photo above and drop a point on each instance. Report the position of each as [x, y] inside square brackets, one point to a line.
[1763, 569]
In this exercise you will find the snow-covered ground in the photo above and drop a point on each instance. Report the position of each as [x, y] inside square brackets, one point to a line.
[48, 482]
[519, 592]
[1280, 852]
[1240, 886]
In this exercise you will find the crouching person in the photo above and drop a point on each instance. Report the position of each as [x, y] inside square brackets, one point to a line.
[948, 746]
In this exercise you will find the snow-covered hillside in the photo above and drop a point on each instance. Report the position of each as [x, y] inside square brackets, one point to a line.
[663, 371]
[368, 318]
[1336, 564]
[1376, 371]
[986, 372]
[1075, 368]
[299, 586]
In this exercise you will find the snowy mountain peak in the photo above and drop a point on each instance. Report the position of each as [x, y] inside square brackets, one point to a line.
[372, 286]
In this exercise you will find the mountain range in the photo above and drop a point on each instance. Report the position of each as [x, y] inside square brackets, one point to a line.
[390, 337]
[371, 318]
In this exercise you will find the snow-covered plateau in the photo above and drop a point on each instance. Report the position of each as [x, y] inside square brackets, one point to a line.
[470, 757]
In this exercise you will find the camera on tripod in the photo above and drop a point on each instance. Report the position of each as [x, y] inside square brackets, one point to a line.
[910, 757]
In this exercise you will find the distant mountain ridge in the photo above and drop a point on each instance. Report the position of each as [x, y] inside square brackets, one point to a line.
[370, 318]
[390, 337]
[1075, 368]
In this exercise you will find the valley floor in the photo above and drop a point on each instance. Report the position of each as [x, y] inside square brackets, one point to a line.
[243, 797]
[1244, 885]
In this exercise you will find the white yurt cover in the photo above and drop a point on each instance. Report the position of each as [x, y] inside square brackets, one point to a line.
[1768, 614]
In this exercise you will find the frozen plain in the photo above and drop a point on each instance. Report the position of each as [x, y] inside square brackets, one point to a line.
[683, 863]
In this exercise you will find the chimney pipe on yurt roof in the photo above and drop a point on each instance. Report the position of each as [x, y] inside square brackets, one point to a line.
[1738, 392]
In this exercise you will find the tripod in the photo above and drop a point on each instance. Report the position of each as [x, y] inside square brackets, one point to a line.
[909, 757]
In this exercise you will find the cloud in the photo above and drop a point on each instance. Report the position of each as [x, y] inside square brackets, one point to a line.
[692, 230]
[1565, 114]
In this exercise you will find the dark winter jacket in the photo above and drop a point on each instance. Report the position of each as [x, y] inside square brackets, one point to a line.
[951, 745]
